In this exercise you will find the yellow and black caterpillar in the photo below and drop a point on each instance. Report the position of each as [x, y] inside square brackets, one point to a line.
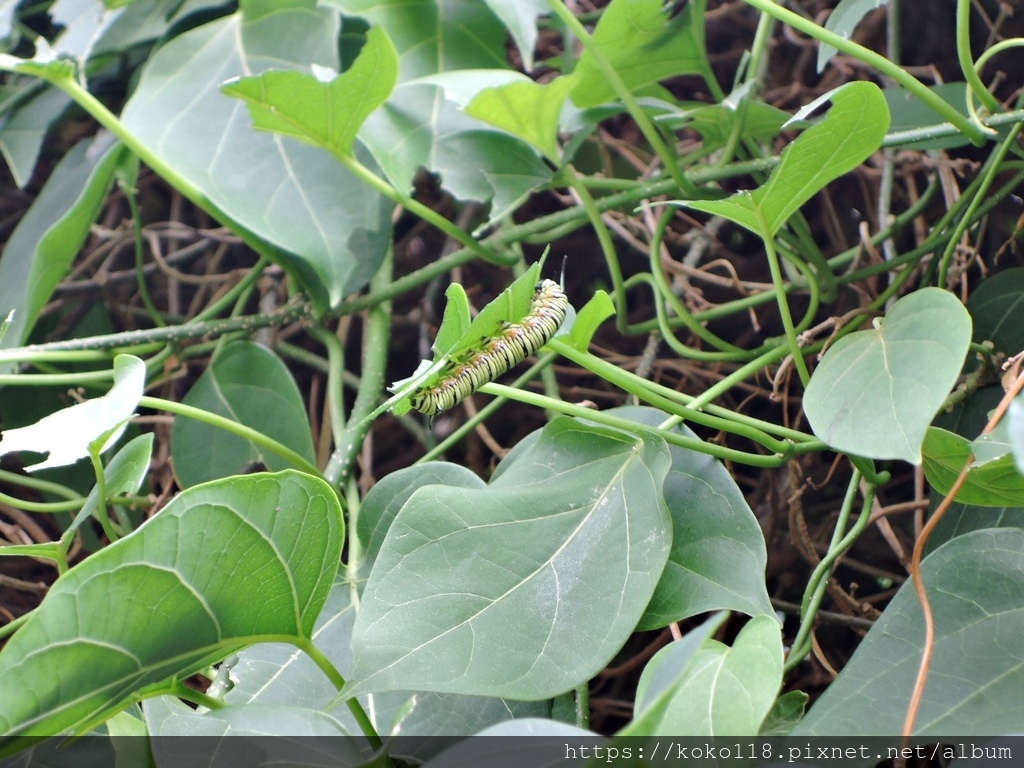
[495, 355]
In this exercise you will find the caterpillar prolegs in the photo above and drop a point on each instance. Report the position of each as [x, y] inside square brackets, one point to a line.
[495, 355]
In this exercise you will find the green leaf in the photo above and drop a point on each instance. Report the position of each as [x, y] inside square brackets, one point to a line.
[325, 110]
[25, 125]
[996, 307]
[713, 690]
[591, 536]
[330, 230]
[456, 321]
[643, 45]
[433, 36]
[165, 601]
[47, 239]
[718, 556]
[520, 17]
[388, 496]
[843, 21]
[716, 122]
[875, 392]
[910, 113]
[850, 132]
[594, 313]
[272, 676]
[995, 483]
[67, 434]
[418, 128]
[526, 109]
[786, 712]
[977, 666]
[249, 384]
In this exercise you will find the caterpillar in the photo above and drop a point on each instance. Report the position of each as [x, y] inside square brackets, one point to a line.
[513, 344]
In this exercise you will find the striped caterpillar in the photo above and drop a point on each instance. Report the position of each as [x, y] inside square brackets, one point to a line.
[495, 355]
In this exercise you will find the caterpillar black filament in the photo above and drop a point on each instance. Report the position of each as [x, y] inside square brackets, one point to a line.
[495, 355]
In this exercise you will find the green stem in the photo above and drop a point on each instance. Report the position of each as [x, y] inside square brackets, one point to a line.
[193, 330]
[371, 383]
[988, 178]
[780, 294]
[963, 55]
[818, 581]
[976, 133]
[234, 428]
[616, 422]
[424, 212]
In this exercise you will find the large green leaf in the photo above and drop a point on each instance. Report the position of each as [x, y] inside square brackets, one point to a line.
[249, 384]
[273, 677]
[977, 667]
[851, 130]
[331, 229]
[875, 392]
[46, 240]
[451, 606]
[643, 45]
[172, 597]
[718, 554]
[994, 483]
[436, 35]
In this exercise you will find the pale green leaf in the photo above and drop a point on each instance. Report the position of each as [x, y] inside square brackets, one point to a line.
[875, 392]
[67, 434]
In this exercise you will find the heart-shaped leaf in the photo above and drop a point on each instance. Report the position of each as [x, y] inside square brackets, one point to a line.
[875, 392]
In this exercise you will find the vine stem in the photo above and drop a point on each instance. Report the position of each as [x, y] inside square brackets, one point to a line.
[977, 133]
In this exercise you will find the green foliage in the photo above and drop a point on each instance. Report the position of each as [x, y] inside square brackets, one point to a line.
[248, 384]
[876, 392]
[479, 594]
[977, 607]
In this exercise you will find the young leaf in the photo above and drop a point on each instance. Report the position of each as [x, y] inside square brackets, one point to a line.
[643, 45]
[67, 434]
[520, 17]
[715, 690]
[325, 109]
[995, 483]
[843, 21]
[526, 109]
[851, 130]
[590, 318]
[875, 392]
[169, 599]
